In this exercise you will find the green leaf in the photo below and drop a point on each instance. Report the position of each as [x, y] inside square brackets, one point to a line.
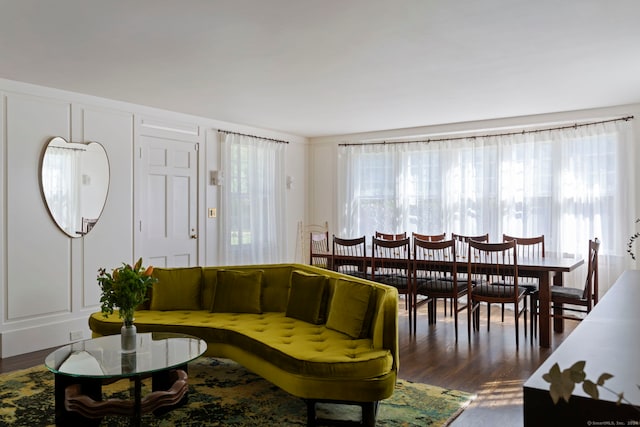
[555, 393]
[591, 389]
[603, 377]
[561, 389]
[576, 372]
[553, 374]
[566, 385]
[562, 384]
[578, 366]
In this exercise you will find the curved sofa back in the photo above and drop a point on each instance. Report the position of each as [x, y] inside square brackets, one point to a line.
[275, 294]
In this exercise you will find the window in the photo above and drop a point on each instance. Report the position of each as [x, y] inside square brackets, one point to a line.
[570, 185]
[252, 208]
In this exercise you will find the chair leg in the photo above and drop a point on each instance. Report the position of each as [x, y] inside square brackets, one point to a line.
[517, 314]
[413, 311]
[469, 315]
[525, 310]
[533, 318]
[455, 314]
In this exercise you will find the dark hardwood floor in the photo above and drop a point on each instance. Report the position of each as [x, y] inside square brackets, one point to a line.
[489, 366]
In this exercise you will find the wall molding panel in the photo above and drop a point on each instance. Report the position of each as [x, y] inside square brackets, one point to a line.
[48, 283]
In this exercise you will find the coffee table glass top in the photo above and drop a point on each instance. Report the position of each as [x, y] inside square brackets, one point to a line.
[103, 357]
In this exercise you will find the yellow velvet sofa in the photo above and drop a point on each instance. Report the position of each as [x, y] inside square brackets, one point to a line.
[317, 334]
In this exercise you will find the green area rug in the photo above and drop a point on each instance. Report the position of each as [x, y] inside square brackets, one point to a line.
[223, 393]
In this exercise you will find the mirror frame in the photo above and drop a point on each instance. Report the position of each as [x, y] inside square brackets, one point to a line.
[85, 226]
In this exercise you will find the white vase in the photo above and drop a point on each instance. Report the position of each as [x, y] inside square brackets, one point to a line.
[128, 338]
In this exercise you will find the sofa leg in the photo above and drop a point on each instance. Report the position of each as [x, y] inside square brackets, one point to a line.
[369, 414]
[311, 413]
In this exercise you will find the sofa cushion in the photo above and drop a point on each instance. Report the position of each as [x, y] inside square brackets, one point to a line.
[209, 280]
[176, 289]
[237, 292]
[349, 308]
[306, 296]
[275, 287]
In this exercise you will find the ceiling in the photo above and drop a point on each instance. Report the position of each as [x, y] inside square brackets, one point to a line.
[330, 67]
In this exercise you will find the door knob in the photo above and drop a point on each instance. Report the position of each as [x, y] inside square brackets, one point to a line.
[194, 236]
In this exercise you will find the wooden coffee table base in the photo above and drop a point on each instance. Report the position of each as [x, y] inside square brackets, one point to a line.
[82, 400]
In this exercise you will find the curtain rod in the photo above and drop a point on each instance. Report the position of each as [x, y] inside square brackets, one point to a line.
[279, 141]
[523, 132]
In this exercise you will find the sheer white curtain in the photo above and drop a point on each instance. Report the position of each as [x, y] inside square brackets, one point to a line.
[61, 181]
[252, 205]
[570, 185]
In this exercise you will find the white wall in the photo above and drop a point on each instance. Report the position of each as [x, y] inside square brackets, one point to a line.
[48, 282]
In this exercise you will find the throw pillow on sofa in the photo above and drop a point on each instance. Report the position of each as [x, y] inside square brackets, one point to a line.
[176, 289]
[306, 297]
[349, 308]
[237, 292]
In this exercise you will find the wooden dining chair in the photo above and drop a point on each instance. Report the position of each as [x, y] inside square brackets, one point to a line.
[528, 248]
[433, 238]
[435, 277]
[494, 267]
[319, 253]
[462, 248]
[391, 236]
[581, 301]
[578, 300]
[462, 242]
[349, 256]
[429, 237]
[391, 265]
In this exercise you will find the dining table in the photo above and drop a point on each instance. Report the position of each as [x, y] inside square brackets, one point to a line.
[548, 270]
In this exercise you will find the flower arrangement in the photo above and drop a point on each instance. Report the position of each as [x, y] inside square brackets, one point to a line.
[125, 288]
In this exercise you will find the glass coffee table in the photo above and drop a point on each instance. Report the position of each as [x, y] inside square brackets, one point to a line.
[82, 368]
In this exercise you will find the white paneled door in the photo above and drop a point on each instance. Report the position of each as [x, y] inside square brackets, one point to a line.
[167, 198]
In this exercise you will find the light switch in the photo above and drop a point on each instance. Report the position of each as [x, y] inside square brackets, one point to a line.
[212, 212]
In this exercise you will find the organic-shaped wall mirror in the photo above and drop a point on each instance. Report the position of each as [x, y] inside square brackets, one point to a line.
[74, 178]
